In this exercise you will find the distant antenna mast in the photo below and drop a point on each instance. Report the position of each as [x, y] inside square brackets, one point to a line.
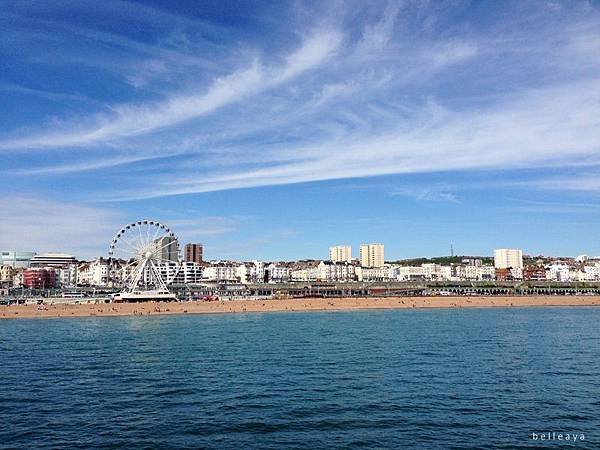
[451, 249]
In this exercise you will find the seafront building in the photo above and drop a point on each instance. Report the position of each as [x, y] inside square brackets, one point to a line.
[221, 271]
[371, 255]
[105, 272]
[39, 278]
[61, 270]
[16, 260]
[7, 273]
[52, 259]
[167, 248]
[279, 272]
[340, 253]
[508, 258]
[194, 253]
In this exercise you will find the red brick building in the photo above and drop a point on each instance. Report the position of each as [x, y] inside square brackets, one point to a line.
[534, 273]
[503, 275]
[39, 278]
[193, 253]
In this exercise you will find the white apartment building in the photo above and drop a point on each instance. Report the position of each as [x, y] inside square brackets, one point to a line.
[340, 253]
[6, 274]
[517, 273]
[506, 258]
[371, 255]
[251, 272]
[221, 271]
[592, 273]
[187, 273]
[558, 272]
[384, 273]
[18, 278]
[309, 272]
[336, 271]
[66, 276]
[106, 272]
[481, 273]
[279, 273]
[326, 271]
[436, 272]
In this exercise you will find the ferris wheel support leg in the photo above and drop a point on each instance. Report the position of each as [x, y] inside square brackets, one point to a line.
[158, 276]
[138, 275]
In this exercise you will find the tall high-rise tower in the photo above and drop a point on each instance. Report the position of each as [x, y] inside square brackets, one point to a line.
[371, 255]
[193, 253]
[340, 253]
[508, 258]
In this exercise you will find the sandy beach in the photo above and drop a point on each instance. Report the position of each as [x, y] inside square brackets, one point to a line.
[299, 304]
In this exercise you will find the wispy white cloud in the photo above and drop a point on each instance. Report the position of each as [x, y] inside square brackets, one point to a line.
[583, 182]
[529, 130]
[425, 194]
[548, 207]
[135, 119]
[395, 93]
[377, 36]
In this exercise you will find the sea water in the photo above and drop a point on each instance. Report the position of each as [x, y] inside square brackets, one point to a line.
[444, 378]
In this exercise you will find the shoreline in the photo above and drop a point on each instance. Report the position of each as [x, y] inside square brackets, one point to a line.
[285, 305]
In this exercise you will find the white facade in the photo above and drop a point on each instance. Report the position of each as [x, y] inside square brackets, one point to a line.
[251, 272]
[187, 273]
[384, 273]
[336, 271]
[409, 273]
[436, 272]
[67, 276]
[308, 273]
[340, 253]
[592, 273]
[279, 273]
[481, 273]
[6, 274]
[558, 272]
[221, 271]
[506, 258]
[372, 255]
[100, 272]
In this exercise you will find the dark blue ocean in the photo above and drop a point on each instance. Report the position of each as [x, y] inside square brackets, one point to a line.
[447, 378]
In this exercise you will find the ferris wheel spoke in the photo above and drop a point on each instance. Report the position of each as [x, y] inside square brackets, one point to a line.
[131, 264]
[130, 245]
[158, 228]
[173, 242]
[131, 253]
[157, 240]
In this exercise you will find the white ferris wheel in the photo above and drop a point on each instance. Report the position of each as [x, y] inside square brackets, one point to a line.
[151, 254]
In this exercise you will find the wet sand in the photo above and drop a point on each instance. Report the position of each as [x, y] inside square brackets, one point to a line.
[298, 304]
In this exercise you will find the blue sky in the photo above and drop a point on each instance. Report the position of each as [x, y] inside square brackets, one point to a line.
[274, 129]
